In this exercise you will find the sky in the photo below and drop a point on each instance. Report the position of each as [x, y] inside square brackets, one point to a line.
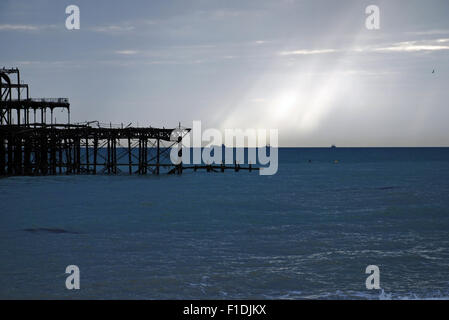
[310, 69]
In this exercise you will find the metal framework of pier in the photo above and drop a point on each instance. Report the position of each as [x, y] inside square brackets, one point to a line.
[32, 144]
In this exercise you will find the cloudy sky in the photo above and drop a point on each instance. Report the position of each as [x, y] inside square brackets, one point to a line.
[308, 68]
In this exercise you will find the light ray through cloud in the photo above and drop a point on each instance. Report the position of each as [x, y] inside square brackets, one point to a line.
[291, 65]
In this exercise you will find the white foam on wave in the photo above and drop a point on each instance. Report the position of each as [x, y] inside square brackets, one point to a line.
[437, 295]
[356, 295]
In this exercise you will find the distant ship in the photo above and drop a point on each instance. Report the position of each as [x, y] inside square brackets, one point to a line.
[333, 146]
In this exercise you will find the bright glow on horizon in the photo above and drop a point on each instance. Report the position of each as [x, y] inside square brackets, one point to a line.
[284, 104]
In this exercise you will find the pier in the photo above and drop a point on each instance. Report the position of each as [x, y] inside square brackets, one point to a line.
[32, 144]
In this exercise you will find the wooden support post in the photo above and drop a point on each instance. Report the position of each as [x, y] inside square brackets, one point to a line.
[140, 155]
[75, 155]
[78, 155]
[60, 160]
[130, 168]
[114, 155]
[69, 157]
[18, 97]
[95, 152]
[87, 153]
[145, 158]
[108, 164]
[53, 152]
[158, 153]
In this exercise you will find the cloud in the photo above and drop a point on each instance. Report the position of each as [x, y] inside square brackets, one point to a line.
[21, 27]
[127, 52]
[307, 52]
[113, 29]
[430, 32]
[46, 63]
[414, 46]
[24, 27]
[404, 46]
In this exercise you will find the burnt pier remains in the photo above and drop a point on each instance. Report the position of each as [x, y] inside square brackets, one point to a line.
[32, 144]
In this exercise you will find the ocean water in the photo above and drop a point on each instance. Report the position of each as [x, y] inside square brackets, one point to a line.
[307, 232]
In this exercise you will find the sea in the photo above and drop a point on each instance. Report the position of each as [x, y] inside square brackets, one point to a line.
[308, 232]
